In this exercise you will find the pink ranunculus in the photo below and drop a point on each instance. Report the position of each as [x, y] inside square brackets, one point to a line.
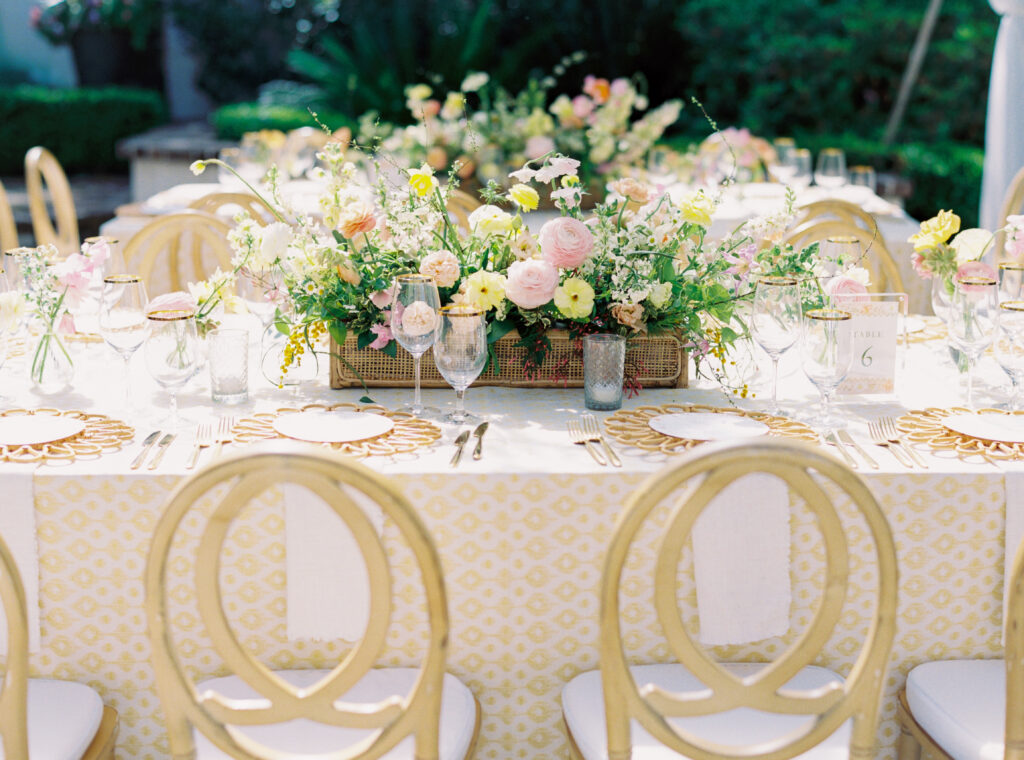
[75, 273]
[66, 326]
[565, 242]
[382, 298]
[917, 262]
[179, 300]
[971, 270]
[531, 283]
[538, 145]
[582, 106]
[98, 252]
[844, 290]
[384, 336]
[358, 217]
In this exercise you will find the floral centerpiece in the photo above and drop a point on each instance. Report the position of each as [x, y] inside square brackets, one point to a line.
[943, 251]
[732, 154]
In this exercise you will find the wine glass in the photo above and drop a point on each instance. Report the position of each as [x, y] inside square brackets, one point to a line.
[172, 353]
[1011, 281]
[123, 322]
[973, 315]
[801, 176]
[413, 322]
[460, 353]
[827, 354]
[842, 251]
[864, 176]
[830, 172]
[1008, 347]
[783, 167]
[775, 322]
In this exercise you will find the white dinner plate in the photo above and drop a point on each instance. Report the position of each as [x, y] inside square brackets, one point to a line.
[332, 427]
[914, 324]
[36, 429]
[1005, 428]
[707, 426]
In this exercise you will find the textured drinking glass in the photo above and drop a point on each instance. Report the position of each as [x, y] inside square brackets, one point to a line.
[604, 362]
[973, 317]
[830, 172]
[229, 365]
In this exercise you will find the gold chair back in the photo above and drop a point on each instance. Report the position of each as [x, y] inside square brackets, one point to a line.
[1013, 203]
[14, 694]
[331, 477]
[8, 228]
[701, 476]
[43, 171]
[460, 205]
[214, 202]
[189, 244]
[833, 209]
[875, 257]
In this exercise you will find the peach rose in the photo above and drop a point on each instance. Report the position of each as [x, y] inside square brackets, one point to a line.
[442, 266]
[565, 242]
[531, 283]
[632, 190]
[418, 318]
[631, 315]
[355, 218]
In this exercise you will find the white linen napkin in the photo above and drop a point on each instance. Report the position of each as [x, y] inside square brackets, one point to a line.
[18, 528]
[1014, 480]
[741, 562]
[328, 594]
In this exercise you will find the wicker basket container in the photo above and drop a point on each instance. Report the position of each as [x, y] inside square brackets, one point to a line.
[661, 362]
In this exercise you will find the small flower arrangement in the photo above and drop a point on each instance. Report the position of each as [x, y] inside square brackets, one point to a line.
[59, 20]
[206, 299]
[732, 154]
[937, 253]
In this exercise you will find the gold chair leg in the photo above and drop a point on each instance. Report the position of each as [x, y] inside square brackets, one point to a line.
[102, 746]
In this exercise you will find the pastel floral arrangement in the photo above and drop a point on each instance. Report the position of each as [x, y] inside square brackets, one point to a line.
[207, 299]
[943, 251]
[734, 154]
[1014, 246]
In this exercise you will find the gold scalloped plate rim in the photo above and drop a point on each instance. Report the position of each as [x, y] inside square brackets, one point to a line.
[925, 426]
[101, 434]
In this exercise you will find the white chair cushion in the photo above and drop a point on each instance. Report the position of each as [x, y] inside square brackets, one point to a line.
[583, 706]
[306, 737]
[63, 717]
[961, 704]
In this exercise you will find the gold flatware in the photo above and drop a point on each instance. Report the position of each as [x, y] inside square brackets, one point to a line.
[831, 437]
[850, 441]
[889, 430]
[146, 446]
[879, 439]
[460, 444]
[577, 435]
[223, 434]
[165, 443]
[593, 429]
[478, 450]
[204, 439]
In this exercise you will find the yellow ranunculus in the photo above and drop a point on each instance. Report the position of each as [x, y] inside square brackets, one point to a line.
[697, 208]
[422, 180]
[936, 231]
[485, 290]
[525, 197]
[575, 298]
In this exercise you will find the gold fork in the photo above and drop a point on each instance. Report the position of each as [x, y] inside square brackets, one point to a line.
[889, 431]
[204, 439]
[578, 436]
[878, 437]
[223, 434]
[593, 431]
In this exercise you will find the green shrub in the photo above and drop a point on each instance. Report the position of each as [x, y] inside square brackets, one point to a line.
[79, 126]
[232, 121]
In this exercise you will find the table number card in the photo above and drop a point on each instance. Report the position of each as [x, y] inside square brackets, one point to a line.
[875, 332]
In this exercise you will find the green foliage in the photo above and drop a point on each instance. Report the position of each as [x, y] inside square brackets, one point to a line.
[232, 121]
[80, 126]
[59, 20]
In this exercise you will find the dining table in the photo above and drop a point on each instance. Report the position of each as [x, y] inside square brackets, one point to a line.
[521, 534]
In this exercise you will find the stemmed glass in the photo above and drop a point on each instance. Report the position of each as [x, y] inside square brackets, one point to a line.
[972, 321]
[775, 322]
[123, 322]
[827, 355]
[830, 172]
[413, 322]
[783, 167]
[460, 353]
[1011, 281]
[1009, 347]
[801, 176]
[172, 353]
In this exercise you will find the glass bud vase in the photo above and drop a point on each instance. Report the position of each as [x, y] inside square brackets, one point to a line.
[50, 367]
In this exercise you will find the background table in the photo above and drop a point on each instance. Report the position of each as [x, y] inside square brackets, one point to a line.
[521, 535]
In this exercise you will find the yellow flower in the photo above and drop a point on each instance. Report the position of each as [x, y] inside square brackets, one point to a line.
[485, 290]
[575, 298]
[697, 208]
[422, 180]
[525, 197]
[418, 92]
[570, 180]
[936, 231]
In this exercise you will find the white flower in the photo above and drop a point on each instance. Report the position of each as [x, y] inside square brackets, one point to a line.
[474, 81]
[418, 318]
[490, 219]
[660, 295]
[970, 245]
[12, 307]
[197, 167]
[859, 274]
[276, 238]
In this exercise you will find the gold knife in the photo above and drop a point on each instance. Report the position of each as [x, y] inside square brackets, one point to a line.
[460, 444]
[832, 438]
[162, 447]
[479, 433]
[849, 440]
[146, 446]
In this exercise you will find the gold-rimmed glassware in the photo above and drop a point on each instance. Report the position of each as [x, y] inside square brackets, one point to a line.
[775, 322]
[460, 353]
[1011, 281]
[830, 171]
[801, 177]
[13, 266]
[123, 323]
[973, 316]
[414, 308]
[827, 353]
[172, 354]
[1008, 347]
[842, 250]
[864, 176]
[783, 167]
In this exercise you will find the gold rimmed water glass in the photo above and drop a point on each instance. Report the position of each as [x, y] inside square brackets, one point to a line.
[460, 353]
[123, 323]
[801, 176]
[172, 354]
[1011, 281]
[830, 171]
[775, 322]
[973, 316]
[413, 323]
[1008, 347]
[827, 353]
[864, 176]
[783, 167]
[842, 250]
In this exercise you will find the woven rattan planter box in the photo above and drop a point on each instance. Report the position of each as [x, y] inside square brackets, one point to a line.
[661, 362]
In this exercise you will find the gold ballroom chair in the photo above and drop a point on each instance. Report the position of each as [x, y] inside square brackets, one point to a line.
[235, 202]
[42, 718]
[8, 228]
[693, 706]
[43, 172]
[260, 713]
[187, 246]
[460, 205]
[1013, 203]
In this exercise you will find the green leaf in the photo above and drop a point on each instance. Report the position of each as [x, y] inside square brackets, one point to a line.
[365, 339]
[366, 400]
[338, 331]
[498, 330]
[391, 349]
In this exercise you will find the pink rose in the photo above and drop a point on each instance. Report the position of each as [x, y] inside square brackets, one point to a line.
[971, 270]
[538, 145]
[845, 290]
[179, 300]
[531, 283]
[565, 242]
[582, 106]
[382, 298]
[383, 333]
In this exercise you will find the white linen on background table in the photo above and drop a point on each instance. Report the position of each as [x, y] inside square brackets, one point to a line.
[18, 528]
[328, 594]
[1014, 474]
[741, 562]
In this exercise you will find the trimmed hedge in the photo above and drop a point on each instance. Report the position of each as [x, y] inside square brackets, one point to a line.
[79, 126]
[232, 121]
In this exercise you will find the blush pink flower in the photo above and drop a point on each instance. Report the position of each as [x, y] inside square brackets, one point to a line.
[565, 242]
[357, 217]
[66, 326]
[917, 262]
[418, 318]
[75, 273]
[582, 106]
[845, 290]
[443, 266]
[178, 300]
[620, 86]
[556, 167]
[384, 336]
[538, 145]
[98, 252]
[531, 283]
[382, 298]
[974, 269]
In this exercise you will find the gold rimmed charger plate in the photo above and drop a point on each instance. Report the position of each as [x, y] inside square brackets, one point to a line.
[407, 434]
[632, 427]
[99, 434]
[929, 426]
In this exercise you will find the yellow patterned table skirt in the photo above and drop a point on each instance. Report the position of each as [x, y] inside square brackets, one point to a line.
[522, 559]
